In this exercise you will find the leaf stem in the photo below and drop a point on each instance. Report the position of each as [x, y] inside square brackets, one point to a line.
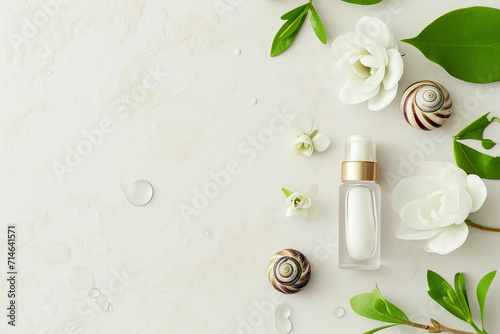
[481, 227]
[437, 328]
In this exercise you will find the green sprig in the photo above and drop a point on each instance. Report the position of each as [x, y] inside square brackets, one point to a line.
[454, 300]
[294, 20]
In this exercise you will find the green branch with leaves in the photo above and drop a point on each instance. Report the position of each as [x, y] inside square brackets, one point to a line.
[454, 300]
[294, 21]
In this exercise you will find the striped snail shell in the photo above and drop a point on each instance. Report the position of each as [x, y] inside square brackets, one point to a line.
[289, 271]
[426, 105]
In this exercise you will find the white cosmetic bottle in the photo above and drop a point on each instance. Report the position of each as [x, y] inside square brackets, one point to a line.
[359, 209]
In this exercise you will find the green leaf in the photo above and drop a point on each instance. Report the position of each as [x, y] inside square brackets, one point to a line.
[391, 308]
[294, 13]
[363, 2]
[462, 295]
[465, 42]
[475, 162]
[379, 329]
[317, 25]
[294, 26]
[443, 294]
[488, 144]
[475, 129]
[281, 44]
[374, 306]
[471, 160]
[482, 291]
[286, 192]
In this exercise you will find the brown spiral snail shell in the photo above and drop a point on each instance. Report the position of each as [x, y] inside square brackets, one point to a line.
[426, 105]
[289, 271]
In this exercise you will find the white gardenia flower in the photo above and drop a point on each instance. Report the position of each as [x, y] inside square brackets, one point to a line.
[434, 205]
[368, 64]
[298, 205]
[305, 143]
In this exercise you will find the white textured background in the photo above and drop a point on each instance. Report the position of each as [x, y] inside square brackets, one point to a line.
[86, 63]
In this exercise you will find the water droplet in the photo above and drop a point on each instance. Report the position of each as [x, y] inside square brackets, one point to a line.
[283, 326]
[282, 321]
[81, 278]
[49, 72]
[185, 241]
[282, 311]
[110, 308]
[71, 298]
[139, 193]
[254, 101]
[56, 253]
[104, 306]
[208, 233]
[237, 51]
[338, 312]
[40, 49]
[94, 293]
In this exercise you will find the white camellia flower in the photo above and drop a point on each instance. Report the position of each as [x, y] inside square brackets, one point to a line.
[298, 205]
[434, 205]
[368, 64]
[307, 141]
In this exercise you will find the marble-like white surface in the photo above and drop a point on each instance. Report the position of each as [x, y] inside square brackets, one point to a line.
[165, 90]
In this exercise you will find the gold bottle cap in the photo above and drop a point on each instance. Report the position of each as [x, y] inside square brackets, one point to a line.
[359, 171]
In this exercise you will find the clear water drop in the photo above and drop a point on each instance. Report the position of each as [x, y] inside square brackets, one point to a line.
[94, 293]
[81, 278]
[237, 51]
[105, 306]
[254, 101]
[139, 193]
[185, 241]
[282, 321]
[110, 308]
[283, 326]
[208, 233]
[49, 72]
[56, 253]
[338, 312]
[282, 311]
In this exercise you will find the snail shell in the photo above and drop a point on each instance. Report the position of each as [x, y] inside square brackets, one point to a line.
[426, 105]
[289, 271]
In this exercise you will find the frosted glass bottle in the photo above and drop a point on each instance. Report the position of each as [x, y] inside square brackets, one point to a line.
[359, 206]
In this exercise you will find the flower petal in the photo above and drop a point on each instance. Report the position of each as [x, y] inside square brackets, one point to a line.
[407, 233]
[449, 239]
[302, 213]
[343, 44]
[372, 61]
[394, 69]
[301, 123]
[289, 211]
[477, 190]
[413, 188]
[321, 142]
[446, 221]
[349, 96]
[382, 99]
[453, 177]
[376, 30]
[416, 215]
